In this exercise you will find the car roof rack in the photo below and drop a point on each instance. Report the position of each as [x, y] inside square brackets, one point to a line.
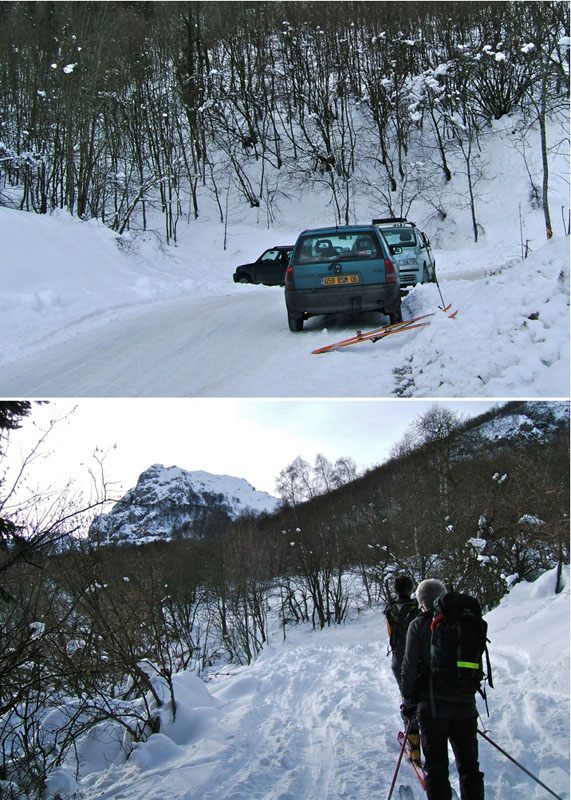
[393, 219]
[398, 220]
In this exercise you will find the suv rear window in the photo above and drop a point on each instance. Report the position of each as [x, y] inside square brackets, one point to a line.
[402, 237]
[316, 249]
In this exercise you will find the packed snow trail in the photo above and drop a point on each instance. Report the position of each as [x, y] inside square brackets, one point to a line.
[316, 718]
[298, 723]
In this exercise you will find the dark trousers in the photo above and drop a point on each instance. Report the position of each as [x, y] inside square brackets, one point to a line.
[455, 723]
[396, 668]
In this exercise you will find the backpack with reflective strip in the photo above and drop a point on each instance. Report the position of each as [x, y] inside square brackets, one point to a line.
[458, 642]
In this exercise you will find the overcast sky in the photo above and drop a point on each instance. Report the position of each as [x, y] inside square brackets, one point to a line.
[251, 439]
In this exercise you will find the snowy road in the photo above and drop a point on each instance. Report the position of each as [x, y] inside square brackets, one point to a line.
[219, 346]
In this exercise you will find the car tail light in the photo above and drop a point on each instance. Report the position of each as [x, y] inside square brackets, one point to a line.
[390, 271]
[289, 281]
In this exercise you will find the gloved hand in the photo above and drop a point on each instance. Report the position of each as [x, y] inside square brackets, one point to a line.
[408, 712]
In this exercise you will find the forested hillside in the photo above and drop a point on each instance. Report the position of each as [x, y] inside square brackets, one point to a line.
[481, 512]
[116, 111]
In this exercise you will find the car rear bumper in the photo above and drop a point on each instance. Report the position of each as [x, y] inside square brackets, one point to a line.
[343, 299]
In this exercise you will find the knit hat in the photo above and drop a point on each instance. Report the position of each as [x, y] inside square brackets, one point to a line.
[427, 591]
[403, 585]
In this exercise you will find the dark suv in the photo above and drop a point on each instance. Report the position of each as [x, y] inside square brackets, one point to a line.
[269, 269]
[336, 270]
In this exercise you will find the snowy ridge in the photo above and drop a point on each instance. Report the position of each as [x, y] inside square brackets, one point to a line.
[170, 499]
[170, 483]
[316, 716]
[505, 428]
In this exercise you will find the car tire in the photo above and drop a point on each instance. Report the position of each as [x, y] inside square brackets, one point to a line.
[425, 275]
[295, 323]
[395, 316]
[244, 279]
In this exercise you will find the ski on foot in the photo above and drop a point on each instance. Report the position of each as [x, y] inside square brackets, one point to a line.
[416, 765]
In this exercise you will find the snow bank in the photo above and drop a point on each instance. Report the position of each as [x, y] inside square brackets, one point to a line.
[58, 271]
[529, 708]
[511, 336]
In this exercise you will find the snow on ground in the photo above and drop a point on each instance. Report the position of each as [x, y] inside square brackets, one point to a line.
[84, 312]
[316, 716]
[511, 336]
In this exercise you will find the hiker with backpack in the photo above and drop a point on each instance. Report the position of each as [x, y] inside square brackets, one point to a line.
[399, 614]
[441, 673]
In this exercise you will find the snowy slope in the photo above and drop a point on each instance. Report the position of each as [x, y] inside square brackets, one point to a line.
[536, 420]
[84, 312]
[317, 716]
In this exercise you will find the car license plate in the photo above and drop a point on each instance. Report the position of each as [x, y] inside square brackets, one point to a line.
[339, 280]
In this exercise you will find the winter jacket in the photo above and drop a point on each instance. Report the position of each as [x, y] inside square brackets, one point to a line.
[415, 674]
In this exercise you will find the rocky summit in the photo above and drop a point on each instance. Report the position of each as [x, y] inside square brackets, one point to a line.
[170, 503]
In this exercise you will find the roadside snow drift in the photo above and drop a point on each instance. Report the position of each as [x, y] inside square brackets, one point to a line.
[510, 337]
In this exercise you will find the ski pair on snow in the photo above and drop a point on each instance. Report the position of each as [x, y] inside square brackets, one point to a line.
[380, 333]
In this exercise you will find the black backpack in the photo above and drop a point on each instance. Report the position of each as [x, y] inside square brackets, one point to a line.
[458, 644]
[400, 613]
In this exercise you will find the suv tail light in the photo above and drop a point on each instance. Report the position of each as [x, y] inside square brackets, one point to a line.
[391, 274]
[289, 281]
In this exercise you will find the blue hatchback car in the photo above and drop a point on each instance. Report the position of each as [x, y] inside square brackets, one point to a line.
[341, 270]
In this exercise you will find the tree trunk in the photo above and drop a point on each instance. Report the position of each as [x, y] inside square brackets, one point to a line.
[544, 158]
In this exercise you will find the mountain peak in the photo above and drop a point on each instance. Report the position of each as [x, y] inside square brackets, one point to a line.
[170, 502]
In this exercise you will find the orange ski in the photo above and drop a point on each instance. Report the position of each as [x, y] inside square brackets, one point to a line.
[380, 333]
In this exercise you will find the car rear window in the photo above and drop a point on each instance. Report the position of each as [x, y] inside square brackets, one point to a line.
[316, 248]
[402, 237]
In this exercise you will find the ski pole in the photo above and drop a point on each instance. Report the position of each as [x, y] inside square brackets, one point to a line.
[391, 790]
[439, 290]
[512, 759]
